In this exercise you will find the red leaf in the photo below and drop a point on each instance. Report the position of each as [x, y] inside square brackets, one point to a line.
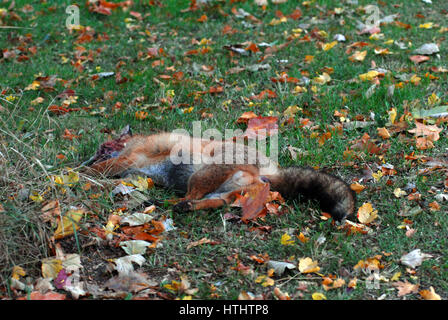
[296, 14]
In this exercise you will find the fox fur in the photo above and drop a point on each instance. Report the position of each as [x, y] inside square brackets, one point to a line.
[209, 185]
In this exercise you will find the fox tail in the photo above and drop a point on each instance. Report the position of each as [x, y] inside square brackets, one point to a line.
[333, 194]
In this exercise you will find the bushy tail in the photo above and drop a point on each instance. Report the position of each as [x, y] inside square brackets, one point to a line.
[333, 194]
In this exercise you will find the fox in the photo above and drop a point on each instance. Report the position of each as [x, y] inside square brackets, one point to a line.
[213, 184]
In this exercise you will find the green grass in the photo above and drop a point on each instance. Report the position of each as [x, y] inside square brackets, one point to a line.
[31, 137]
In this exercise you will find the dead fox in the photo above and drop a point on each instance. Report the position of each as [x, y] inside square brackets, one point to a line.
[212, 185]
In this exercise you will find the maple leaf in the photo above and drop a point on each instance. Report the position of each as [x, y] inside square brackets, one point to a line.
[286, 240]
[405, 288]
[431, 132]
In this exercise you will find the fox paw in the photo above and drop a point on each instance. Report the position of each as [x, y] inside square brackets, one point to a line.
[183, 206]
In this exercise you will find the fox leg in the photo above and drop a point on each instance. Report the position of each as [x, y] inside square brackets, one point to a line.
[214, 200]
[219, 179]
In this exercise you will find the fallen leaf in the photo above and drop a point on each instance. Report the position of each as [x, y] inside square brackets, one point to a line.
[366, 214]
[414, 258]
[419, 59]
[69, 223]
[429, 294]
[357, 187]
[383, 133]
[201, 242]
[124, 264]
[307, 265]
[318, 296]
[280, 266]
[286, 240]
[358, 56]
[405, 288]
[427, 49]
[133, 247]
[137, 219]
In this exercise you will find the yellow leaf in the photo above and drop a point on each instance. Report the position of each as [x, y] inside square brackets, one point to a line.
[307, 265]
[398, 193]
[369, 76]
[377, 176]
[430, 294]
[318, 296]
[291, 111]
[141, 183]
[392, 115]
[369, 264]
[18, 272]
[358, 56]
[427, 25]
[328, 46]
[69, 223]
[396, 276]
[382, 51]
[286, 240]
[33, 86]
[433, 99]
[51, 267]
[366, 214]
[299, 89]
[415, 80]
[268, 282]
[67, 179]
[36, 197]
[377, 36]
[322, 79]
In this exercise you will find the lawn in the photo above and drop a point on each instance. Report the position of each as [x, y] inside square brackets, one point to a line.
[365, 102]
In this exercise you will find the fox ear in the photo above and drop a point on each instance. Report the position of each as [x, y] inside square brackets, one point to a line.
[126, 131]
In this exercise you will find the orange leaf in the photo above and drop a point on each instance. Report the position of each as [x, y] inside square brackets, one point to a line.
[261, 127]
[203, 18]
[253, 202]
[246, 116]
[36, 295]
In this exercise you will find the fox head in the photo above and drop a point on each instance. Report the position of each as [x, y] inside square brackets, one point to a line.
[112, 148]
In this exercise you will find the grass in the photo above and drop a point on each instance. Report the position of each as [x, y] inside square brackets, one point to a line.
[31, 138]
